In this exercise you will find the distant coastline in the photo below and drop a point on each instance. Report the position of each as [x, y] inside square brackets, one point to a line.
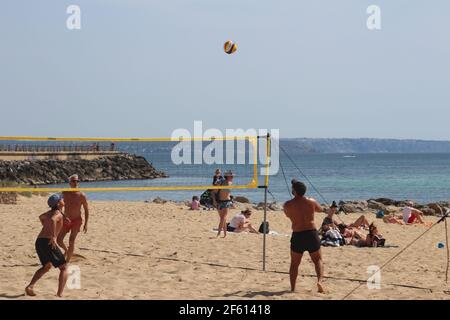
[364, 145]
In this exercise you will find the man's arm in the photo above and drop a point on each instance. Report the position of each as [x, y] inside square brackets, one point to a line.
[317, 206]
[42, 218]
[285, 210]
[417, 211]
[86, 212]
[55, 218]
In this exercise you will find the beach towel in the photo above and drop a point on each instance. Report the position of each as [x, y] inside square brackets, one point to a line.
[272, 233]
[332, 238]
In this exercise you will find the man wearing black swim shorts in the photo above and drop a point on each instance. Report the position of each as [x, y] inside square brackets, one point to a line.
[305, 237]
[46, 246]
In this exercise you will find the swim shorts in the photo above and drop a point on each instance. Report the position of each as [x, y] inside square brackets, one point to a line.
[48, 254]
[225, 204]
[307, 240]
[73, 225]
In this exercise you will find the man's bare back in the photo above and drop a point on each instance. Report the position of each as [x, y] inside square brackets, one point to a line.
[300, 211]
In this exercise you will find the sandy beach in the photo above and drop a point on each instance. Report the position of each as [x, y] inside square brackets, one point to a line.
[138, 250]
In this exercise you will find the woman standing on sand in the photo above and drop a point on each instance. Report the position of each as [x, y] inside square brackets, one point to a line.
[224, 203]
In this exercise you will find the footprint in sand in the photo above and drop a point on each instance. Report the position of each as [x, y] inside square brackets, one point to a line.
[77, 258]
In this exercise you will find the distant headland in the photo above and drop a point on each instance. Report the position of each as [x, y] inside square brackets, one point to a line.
[364, 145]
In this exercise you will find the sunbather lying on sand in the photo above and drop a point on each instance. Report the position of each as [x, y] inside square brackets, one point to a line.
[393, 219]
[373, 239]
[328, 220]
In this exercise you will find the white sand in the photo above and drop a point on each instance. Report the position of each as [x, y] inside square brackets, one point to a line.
[136, 250]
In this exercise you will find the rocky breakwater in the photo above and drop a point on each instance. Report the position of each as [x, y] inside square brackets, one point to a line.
[393, 206]
[107, 168]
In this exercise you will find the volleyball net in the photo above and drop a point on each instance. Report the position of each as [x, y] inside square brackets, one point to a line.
[44, 164]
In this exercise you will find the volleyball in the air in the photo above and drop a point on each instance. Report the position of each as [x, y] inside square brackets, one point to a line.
[229, 47]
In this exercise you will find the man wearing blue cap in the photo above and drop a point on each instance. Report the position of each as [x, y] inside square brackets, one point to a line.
[46, 246]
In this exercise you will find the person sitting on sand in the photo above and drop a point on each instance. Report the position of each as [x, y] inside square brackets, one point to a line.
[241, 222]
[328, 220]
[195, 204]
[46, 246]
[301, 210]
[411, 215]
[74, 200]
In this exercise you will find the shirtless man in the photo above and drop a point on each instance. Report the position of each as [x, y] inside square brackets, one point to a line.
[305, 237]
[73, 201]
[46, 248]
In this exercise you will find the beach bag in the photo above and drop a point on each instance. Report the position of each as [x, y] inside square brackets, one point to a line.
[261, 227]
[380, 214]
[205, 198]
[378, 241]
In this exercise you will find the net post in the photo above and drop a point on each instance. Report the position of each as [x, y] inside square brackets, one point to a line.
[265, 228]
[265, 187]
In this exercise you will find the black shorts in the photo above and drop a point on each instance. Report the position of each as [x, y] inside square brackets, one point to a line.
[47, 254]
[305, 241]
[230, 228]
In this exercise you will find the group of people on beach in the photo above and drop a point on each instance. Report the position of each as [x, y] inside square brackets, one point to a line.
[336, 233]
[223, 201]
[306, 237]
[64, 217]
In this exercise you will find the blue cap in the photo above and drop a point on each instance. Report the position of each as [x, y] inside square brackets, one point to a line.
[53, 200]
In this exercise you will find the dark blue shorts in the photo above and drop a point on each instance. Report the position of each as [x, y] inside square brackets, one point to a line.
[305, 241]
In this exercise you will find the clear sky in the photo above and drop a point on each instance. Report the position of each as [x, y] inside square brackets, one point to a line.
[144, 68]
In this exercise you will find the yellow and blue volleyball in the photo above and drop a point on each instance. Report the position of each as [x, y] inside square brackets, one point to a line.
[229, 47]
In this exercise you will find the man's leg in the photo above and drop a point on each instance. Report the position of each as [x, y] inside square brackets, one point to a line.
[72, 238]
[60, 240]
[418, 217]
[316, 257]
[296, 258]
[38, 274]
[62, 279]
